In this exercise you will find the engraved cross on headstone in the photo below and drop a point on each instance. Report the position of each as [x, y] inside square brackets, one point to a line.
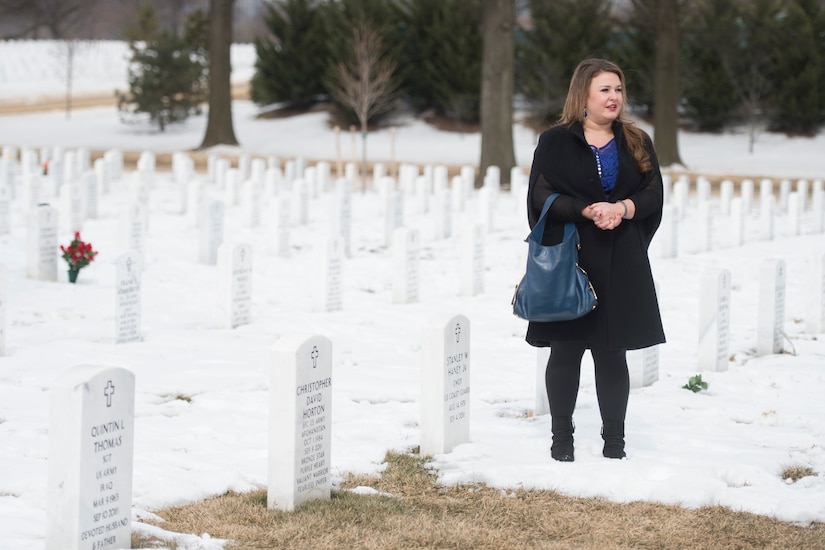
[108, 391]
[457, 332]
[314, 355]
[129, 264]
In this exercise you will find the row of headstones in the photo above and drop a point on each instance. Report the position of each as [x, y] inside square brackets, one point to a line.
[53, 174]
[234, 263]
[736, 210]
[209, 215]
[92, 428]
[715, 304]
[287, 196]
[714, 324]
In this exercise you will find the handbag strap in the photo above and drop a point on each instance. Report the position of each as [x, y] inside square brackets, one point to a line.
[538, 229]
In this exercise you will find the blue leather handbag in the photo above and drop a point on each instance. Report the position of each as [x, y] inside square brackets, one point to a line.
[554, 287]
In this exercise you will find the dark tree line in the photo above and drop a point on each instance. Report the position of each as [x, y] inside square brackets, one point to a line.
[708, 64]
[726, 61]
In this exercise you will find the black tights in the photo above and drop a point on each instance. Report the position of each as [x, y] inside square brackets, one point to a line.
[562, 379]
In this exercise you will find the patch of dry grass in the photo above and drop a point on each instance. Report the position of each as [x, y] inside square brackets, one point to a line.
[419, 513]
[795, 473]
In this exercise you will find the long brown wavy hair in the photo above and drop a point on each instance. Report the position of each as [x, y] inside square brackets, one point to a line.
[576, 102]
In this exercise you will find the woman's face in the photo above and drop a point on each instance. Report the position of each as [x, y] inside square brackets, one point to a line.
[604, 101]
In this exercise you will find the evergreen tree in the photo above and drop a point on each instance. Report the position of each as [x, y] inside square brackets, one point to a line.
[710, 46]
[563, 33]
[167, 75]
[441, 56]
[291, 62]
[633, 47]
[796, 102]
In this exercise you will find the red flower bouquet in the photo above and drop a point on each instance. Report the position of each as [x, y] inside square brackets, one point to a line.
[78, 254]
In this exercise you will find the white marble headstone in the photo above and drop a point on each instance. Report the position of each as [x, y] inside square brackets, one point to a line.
[542, 401]
[472, 260]
[244, 167]
[457, 193]
[340, 214]
[232, 187]
[725, 196]
[818, 208]
[210, 232]
[643, 366]
[128, 297]
[133, 229]
[468, 178]
[42, 243]
[393, 214]
[91, 194]
[793, 220]
[300, 422]
[704, 226]
[234, 284]
[667, 237]
[486, 209]
[422, 194]
[771, 315]
[766, 217]
[2, 310]
[278, 228]
[91, 454]
[300, 201]
[746, 192]
[784, 191]
[815, 318]
[445, 385]
[328, 263]
[251, 203]
[802, 194]
[442, 214]
[714, 320]
[114, 165]
[71, 207]
[406, 265]
[737, 223]
[195, 199]
[5, 209]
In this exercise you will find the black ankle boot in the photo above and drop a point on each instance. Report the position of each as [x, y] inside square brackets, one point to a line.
[562, 448]
[613, 435]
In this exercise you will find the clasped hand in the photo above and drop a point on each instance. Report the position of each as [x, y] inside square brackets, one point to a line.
[606, 215]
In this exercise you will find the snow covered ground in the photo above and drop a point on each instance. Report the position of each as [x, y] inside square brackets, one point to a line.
[726, 446]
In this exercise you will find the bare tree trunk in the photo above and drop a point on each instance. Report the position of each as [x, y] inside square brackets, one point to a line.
[219, 129]
[666, 93]
[497, 84]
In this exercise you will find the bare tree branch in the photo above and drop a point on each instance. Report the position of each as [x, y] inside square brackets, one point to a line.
[366, 82]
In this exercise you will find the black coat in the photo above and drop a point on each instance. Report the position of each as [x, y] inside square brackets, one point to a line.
[627, 316]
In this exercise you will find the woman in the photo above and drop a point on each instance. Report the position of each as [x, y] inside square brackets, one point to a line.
[607, 176]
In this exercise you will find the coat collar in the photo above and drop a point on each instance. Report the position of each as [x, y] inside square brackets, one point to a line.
[578, 130]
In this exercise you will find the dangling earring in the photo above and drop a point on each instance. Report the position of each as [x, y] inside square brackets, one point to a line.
[585, 112]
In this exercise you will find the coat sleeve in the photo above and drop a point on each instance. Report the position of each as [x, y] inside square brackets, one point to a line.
[541, 185]
[649, 197]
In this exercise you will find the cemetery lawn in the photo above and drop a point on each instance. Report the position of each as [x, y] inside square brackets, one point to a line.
[409, 509]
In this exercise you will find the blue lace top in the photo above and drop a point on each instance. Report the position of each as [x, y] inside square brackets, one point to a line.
[607, 161]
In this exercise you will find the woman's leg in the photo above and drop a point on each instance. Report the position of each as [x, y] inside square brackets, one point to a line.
[612, 391]
[562, 381]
